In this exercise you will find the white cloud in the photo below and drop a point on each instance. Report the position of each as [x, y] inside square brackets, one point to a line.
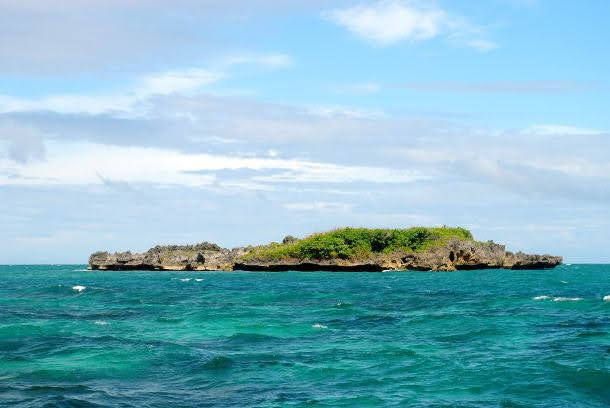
[86, 163]
[23, 143]
[388, 22]
[536, 161]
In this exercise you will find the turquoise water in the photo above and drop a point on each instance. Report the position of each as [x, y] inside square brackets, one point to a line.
[173, 339]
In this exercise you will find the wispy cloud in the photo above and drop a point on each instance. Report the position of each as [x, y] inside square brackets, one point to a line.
[320, 206]
[330, 111]
[502, 86]
[266, 60]
[357, 88]
[387, 22]
[562, 130]
[130, 99]
[147, 86]
[167, 83]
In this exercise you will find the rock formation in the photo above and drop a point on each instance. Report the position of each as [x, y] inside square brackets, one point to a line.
[456, 254]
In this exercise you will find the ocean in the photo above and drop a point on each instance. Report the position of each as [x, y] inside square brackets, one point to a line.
[490, 338]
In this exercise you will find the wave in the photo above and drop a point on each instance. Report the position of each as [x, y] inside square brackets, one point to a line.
[79, 288]
[566, 299]
[101, 322]
[319, 326]
[542, 297]
[185, 280]
[558, 298]
[607, 298]
[198, 280]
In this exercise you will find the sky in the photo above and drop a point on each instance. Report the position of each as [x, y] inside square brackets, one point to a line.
[125, 123]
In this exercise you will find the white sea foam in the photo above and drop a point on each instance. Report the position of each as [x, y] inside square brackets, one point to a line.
[101, 322]
[198, 280]
[607, 298]
[566, 299]
[81, 270]
[185, 279]
[319, 326]
[564, 282]
[79, 288]
[543, 297]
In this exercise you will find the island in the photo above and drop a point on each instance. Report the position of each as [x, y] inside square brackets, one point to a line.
[343, 249]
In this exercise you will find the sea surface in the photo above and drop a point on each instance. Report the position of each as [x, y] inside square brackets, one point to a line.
[76, 338]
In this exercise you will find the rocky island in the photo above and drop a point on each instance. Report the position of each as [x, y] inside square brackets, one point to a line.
[343, 249]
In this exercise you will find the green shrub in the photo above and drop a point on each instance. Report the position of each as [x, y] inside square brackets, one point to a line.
[357, 243]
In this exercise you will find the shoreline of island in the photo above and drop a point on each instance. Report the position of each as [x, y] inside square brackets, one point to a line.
[344, 249]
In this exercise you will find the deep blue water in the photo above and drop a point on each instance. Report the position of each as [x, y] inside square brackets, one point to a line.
[75, 338]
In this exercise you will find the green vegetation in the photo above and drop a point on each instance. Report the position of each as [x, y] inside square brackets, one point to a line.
[357, 243]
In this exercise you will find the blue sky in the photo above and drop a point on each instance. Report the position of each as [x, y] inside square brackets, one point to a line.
[124, 124]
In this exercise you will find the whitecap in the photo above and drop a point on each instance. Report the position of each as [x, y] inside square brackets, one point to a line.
[543, 297]
[185, 279]
[319, 326]
[607, 298]
[79, 288]
[566, 299]
[198, 280]
[564, 282]
[101, 322]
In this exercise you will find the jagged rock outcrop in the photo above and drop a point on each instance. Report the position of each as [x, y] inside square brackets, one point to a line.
[460, 255]
[200, 257]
